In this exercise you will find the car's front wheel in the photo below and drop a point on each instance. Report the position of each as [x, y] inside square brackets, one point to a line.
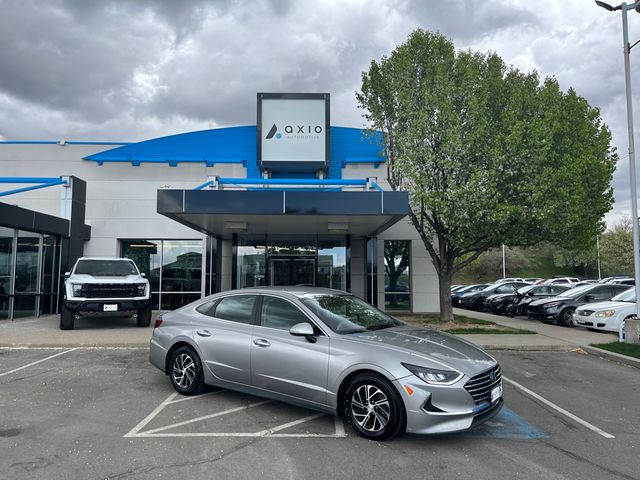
[186, 371]
[144, 317]
[67, 318]
[566, 318]
[374, 408]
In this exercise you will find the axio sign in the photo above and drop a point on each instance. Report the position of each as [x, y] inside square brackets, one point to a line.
[293, 131]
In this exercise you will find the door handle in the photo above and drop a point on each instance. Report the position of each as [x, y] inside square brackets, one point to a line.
[204, 333]
[261, 342]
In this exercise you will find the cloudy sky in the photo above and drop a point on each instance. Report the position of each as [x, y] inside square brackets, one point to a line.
[138, 69]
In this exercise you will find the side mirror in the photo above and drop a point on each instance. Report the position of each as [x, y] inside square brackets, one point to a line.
[589, 298]
[143, 275]
[67, 274]
[303, 330]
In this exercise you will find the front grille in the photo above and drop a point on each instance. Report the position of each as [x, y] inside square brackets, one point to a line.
[109, 290]
[534, 308]
[479, 387]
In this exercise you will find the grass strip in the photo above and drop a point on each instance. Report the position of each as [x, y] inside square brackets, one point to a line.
[628, 349]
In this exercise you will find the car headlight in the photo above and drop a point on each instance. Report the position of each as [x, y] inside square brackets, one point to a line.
[433, 375]
[142, 289]
[552, 305]
[605, 314]
[76, 289]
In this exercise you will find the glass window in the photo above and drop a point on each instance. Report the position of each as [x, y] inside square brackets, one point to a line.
[281, 314]
[237, 308]
[6, 263]
[27, 262]
[146, 255]
[332, 262]
[105, 268]
[182, 265]
[291, 245]
[49, 274]
[397, 285]
[206, 308]
[251, 261]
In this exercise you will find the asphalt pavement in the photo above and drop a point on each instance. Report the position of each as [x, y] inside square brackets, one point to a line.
[106, 413]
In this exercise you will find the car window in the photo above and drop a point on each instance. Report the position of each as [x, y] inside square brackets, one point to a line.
[237, 308]
[207, 308]
[281, 314]
[506, 289]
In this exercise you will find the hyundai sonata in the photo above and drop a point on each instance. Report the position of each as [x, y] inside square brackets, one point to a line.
[330, 351]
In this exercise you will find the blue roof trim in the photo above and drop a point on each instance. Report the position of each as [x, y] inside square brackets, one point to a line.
[54, 142]
[238, 145]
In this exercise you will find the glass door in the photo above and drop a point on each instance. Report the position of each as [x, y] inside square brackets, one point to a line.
[292, 271]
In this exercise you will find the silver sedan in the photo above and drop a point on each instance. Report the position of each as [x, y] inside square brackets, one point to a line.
[330, 351]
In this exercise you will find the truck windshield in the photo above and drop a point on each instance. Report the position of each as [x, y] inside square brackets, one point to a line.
[106, 268]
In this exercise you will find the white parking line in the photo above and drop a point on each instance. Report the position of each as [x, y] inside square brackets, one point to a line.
[559, 409]
[36, 362]
[134, 431]
[207, 417]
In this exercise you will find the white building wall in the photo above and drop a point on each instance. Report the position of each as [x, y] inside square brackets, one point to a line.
[121, 203]
[121, 198]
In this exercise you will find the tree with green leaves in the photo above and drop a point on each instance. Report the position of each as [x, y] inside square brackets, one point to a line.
[488, 154]
[616, 249]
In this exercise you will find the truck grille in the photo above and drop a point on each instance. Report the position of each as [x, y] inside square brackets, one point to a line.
[109, 290]
[479, 387]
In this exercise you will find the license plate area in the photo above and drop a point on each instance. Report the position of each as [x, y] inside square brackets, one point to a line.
[496, 393]
[110, 307]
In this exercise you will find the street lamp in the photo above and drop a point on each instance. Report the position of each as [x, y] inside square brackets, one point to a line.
[632, 155]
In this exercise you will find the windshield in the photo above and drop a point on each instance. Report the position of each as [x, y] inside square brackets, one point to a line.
[106, 268]
[575, 292]
[626, 296]
[348, 314]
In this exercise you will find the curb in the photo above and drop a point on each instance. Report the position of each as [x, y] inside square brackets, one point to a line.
[612, 356]
[75, 345]
[528, 348]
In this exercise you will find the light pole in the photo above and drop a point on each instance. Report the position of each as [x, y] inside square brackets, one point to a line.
[504, 262]
[632, 155]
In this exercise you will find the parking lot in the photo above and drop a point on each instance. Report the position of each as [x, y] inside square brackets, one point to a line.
[107, 413]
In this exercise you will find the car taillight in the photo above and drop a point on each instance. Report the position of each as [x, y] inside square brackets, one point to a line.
[158, 323]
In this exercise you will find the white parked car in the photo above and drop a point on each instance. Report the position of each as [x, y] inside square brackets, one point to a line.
[607, 316]
[561, 281]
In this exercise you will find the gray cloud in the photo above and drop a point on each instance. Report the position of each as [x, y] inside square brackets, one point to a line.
[113, 70]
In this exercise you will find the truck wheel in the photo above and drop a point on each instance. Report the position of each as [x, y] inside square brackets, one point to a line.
[67, 318]
[144, 317]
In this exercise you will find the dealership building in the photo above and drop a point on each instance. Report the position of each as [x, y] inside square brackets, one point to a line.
[291, 200]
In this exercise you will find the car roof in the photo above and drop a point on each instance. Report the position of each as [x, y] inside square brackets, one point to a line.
[298, 290]
[106, 258]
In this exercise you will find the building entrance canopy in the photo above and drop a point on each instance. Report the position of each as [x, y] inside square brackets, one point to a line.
[224, 212]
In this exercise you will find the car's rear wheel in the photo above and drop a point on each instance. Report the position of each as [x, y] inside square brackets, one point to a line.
[185, 371]
[144, 317]
[566, 318]
[479, 304]
[67, 318]
[374, 408]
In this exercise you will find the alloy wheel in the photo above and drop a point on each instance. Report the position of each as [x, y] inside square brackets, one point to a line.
[370, 408]
[184, 370]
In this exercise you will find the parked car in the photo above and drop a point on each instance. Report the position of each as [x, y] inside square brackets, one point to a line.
[105, 287]
[329, 351]
[607, 316]
[475, 300]
[505, 280]
[497, 303]
[525, 295]
[622, 281]
[532, 279]
[455, 296]
[561, 281]
[559, 310]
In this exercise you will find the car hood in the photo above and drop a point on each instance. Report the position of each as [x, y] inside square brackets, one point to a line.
[86, 278]
[608, 305]
[550, 300]
[431, 344]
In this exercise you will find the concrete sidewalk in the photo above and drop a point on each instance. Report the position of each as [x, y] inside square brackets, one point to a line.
[546, 335]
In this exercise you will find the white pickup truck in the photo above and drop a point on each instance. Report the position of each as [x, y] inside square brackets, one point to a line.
[100, 286]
